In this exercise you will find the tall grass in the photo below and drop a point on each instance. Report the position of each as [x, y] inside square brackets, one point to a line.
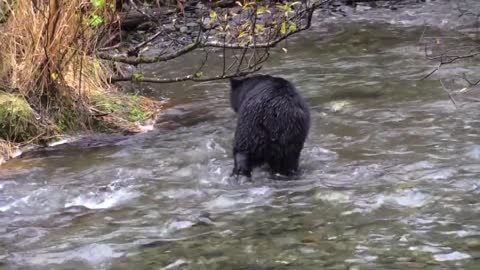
[45, 56]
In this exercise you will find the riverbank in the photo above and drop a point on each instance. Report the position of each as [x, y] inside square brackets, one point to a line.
[52, 86]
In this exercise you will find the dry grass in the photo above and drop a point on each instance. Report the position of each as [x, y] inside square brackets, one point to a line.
[44, 56]
[50, 82]
[8, 150]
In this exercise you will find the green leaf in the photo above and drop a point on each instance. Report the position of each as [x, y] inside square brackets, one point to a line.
[98, 3]
[138, 77]
[292, 27]
[283, 29]
[96, 20]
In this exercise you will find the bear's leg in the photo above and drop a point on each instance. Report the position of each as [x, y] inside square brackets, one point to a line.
[286, 162]
[242, 165]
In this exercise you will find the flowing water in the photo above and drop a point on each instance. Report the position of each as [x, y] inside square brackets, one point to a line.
[390, 173]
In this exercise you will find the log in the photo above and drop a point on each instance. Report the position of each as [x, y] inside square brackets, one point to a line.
[131, 19]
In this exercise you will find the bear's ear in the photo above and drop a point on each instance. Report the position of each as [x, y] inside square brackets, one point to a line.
[235, 83]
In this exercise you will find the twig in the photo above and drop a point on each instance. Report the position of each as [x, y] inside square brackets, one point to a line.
[132, 3]
[136, 49]
[464, 76]
[431, 72]
[452, 58]
[148, 60]
[423, 33]
[104, 49]
[449, 95]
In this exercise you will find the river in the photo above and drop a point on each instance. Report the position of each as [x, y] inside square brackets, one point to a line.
[389, 174]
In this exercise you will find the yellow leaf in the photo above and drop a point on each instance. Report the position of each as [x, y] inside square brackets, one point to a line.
[238, 3]
[261, 10]
[260, 27]
[292, 27]
[285, 50]
[285, 8]
[54, 76]
[283, 29]
[213, 14]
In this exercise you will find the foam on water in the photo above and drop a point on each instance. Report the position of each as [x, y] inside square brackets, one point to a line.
[452, 256]
[253, 197]
[103, 200]
[94, 254]
[39, 201]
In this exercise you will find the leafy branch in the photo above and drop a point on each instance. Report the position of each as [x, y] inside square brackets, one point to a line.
[244, 34]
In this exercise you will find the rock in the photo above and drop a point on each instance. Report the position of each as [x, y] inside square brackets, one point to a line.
[183, 29]
[192, 24]
[206, 21]
[169, 27]
[200, 6]
[473, 244]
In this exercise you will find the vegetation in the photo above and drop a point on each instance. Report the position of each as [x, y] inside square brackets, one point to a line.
[50, 82]
[60, 59]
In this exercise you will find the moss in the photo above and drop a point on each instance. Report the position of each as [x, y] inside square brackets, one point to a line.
[123, 111]
[137, 115]
[17, 120]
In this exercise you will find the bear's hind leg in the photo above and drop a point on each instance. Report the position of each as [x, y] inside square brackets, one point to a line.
[285, 163]
[242, 165]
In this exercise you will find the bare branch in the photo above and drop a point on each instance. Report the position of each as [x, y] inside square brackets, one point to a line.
[211, 44]
[148, 60]
[191, 77]
[136, 49]
[464, 76]
[448, 59]
[449, 94]
[431, 72]
[195, 76]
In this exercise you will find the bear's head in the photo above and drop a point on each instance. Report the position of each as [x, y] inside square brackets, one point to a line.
[239, 87]
[236, 90]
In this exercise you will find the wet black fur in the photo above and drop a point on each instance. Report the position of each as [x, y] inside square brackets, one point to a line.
[272, 125]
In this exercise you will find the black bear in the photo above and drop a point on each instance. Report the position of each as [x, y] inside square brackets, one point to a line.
[273, 123]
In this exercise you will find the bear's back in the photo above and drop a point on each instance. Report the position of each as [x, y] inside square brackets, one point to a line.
[273, 92]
